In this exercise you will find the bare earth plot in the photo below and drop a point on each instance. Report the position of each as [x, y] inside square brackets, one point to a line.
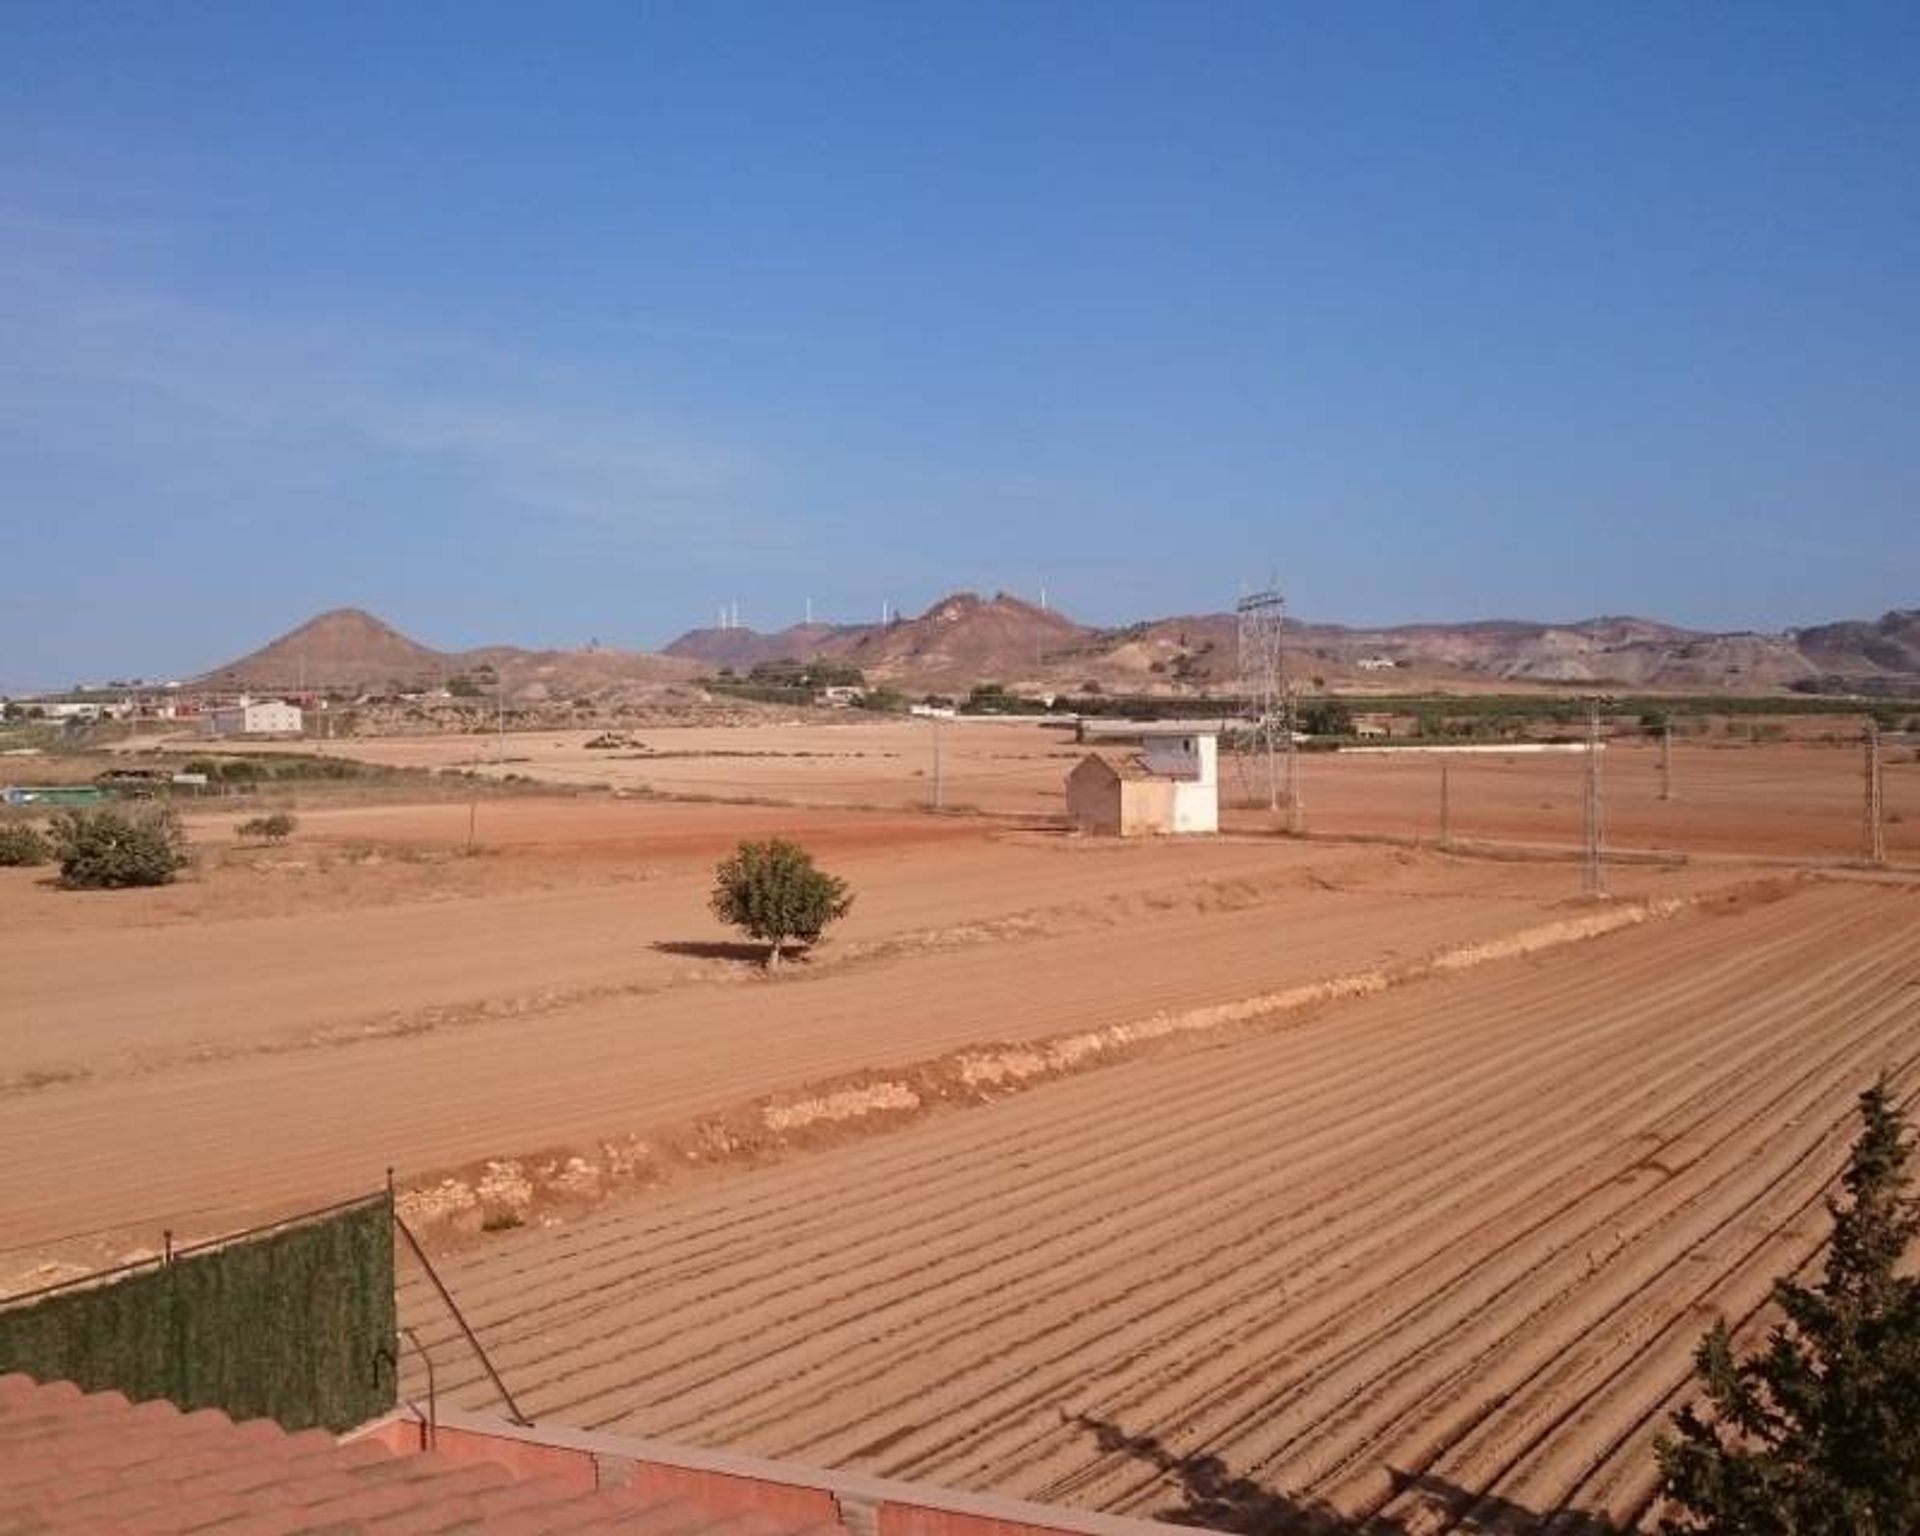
[206, 1055]
[1778, 799]
[1439, 1255]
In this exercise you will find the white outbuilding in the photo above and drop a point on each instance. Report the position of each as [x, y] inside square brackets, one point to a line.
[255, 717]
[1167, 784]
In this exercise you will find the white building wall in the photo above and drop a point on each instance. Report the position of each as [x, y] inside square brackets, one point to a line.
[1193, 764]
[272, 717]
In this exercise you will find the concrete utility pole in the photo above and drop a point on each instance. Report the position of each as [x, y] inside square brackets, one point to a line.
[1876, 805]
[1446, 806]
[1666, 761]
[939, 785]
[1595, 881]
[1296, 806]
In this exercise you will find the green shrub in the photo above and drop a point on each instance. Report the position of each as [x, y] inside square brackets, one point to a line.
[274, 827]
[775, 892]
[23, 846]
[1818, 1430]
[110, 849]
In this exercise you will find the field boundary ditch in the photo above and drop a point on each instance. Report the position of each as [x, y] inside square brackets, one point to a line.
[454, 1205]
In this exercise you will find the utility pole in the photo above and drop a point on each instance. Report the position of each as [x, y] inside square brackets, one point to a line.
[1876, 807]
[1263, 675]
[1595, 881]
[1446, 806]
[1296, 805]
[1666, 760]
[939, 785]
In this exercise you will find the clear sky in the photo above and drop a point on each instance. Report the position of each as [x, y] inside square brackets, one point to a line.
[540, 323]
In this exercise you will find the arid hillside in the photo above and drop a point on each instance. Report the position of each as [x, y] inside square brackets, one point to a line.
[348, 648]
[342, 648]
[966, 639]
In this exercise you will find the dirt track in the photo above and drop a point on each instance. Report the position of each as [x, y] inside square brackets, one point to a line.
[1439, 1255]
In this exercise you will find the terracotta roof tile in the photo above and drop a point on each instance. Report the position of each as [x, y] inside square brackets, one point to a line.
[76, 1463]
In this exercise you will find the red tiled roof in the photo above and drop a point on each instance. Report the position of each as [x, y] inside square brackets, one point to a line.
[93, 1463]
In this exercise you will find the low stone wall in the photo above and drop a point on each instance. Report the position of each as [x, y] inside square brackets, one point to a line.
[723, 1483]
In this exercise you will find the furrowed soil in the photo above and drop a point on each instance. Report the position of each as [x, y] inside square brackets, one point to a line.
[1437, 1255]
[1244, 1179]
[285, 1025]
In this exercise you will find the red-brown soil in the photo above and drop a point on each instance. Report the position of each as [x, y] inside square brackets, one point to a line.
[293, 1021]
[1439, 1255]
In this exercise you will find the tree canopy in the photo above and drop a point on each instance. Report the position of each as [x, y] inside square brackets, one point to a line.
[1818, 1433]
[777, 894]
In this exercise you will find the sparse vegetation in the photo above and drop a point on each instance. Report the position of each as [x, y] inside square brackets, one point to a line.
[23, 846]
[1326, 717]
[110, 849]
[1819, 1432]
[274, 827]
[994, 699]
[775, 892]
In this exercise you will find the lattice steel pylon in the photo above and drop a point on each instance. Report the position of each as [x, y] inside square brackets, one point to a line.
[1268, 712]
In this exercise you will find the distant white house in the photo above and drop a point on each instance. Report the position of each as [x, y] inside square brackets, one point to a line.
[1170, 783]
[255, 717]
[1377, 663]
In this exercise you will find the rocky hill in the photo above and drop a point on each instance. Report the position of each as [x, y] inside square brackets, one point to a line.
[965, 639]
[348, 649]
[960, 640]
[342, 648]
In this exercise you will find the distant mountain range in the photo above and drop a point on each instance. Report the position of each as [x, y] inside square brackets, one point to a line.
[965, 639]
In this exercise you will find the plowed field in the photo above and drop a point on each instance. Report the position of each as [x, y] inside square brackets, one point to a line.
[1438, 1255]
[279, 1030]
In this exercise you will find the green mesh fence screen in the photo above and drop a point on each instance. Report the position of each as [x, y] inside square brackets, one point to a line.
[296, 1325]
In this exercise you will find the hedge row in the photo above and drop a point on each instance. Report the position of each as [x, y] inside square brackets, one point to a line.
[297, 1325]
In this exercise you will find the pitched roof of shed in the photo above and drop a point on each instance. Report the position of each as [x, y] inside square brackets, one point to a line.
[1123, 765]
[74, 1462]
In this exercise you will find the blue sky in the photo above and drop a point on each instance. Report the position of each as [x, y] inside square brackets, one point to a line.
[545, 323]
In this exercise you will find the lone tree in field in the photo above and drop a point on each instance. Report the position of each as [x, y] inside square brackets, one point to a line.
[107, 849]
[775, 892]
[1819, 1433]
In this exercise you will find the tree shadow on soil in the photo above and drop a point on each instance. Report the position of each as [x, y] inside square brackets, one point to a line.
[1213, 1497]
[738, 950]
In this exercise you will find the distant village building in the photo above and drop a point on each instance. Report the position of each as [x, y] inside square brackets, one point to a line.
[1169, 784]
[255, 717]
[1377, 663]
